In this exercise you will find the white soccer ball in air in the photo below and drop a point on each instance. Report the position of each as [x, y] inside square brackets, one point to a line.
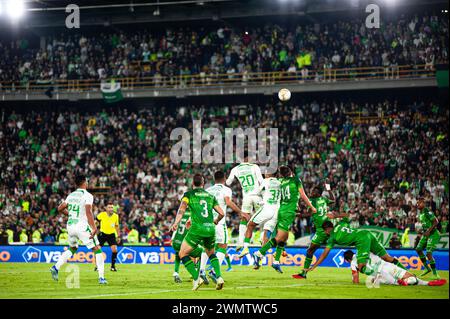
[284, 95]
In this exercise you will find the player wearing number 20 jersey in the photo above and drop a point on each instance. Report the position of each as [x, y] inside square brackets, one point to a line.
[250, 178]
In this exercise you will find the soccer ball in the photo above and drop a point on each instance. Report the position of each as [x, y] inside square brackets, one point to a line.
[284, 95]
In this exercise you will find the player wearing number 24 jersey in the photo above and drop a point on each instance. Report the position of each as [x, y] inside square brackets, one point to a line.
[202, 231]
[80, 226]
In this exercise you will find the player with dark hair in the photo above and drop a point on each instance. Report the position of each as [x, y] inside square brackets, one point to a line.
[429, 239]
[202, 231]
[364, 241]
[291, 191]
[80, 226]
[387, 273]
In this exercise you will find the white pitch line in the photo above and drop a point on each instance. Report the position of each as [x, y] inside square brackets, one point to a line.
[153, 292]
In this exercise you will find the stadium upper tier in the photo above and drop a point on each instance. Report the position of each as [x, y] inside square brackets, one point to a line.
[346, 50]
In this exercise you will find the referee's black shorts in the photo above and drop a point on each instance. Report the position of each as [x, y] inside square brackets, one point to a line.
[107, 238]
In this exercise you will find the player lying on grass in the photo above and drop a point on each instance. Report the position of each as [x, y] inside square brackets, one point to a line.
[321, 215]
[223, 195]
[364, 241]
[270, 188]
[202, 231]
[80, 226]
[430, 238]
[291, 191]
[387, 273]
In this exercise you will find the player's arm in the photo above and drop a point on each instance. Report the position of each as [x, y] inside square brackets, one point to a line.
[259, 176]
[62, 207]
[432, 228]
[118, 230]
[220, 212]
[230, 178]
[180, 213]
[355, 276]
[306, 199]
[322, 257]
[337, 215]
[91, 220]
[235, 208]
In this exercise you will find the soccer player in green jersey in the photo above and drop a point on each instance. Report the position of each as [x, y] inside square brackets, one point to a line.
[177, 240]
[429, 239]
[320, 237]
[202, 231]
[291, 191]
[364, 241]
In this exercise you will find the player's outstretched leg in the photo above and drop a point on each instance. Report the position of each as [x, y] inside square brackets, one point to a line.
[308, 260]
[228, 261]
[100, 262]
[216, 266]
[242, 230]
[433, 265]
[276, 263]
[258, 256]
[202, 274]
[176, 276]
[61, 261]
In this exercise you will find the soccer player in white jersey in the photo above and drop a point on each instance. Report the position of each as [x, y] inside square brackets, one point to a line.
[387, 273]
[223, 195]
[80, 226]
[267, 213]
[250, 178]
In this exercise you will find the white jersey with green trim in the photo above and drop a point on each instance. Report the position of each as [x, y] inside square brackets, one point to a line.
[76, 206]
[220, 191]
[249, 176]
[271, 191]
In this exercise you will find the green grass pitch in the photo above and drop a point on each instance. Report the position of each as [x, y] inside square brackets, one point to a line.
[33, 280]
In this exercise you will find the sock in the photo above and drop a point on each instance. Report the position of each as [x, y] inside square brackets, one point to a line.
[423, 259]
[279, 251]
[190, 267]
[412, 281]
[227, 259]
[63, 258]
[177, 263]
[221, 252]
[113, 259]
[242, 230]
[246, 242]
[399, 264]
[433, 266]
[203, 261]
[308, 261]
[100, 262]
[271, 243]
[421, 282]
[215, 263]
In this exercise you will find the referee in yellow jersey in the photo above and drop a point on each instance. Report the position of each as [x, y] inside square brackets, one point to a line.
[109, 232]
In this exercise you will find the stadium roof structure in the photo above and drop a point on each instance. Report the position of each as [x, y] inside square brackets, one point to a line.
[51, 13]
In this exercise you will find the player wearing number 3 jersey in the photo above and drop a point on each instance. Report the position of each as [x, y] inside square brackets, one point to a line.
[202, 231]
[250, 178]
[80, 226]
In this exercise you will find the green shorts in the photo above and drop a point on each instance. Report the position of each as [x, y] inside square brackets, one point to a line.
[367, 243]
[285, 220]
[429, 243]
[320, 238]
[206, 239]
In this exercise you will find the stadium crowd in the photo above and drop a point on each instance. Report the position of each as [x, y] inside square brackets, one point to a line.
[207, 51]
[376, 169]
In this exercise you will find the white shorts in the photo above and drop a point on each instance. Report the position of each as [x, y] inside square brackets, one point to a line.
[221, 234]
[264, 214]
[391, 273]
[251, 203]
[271, 223]
[81, 232]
